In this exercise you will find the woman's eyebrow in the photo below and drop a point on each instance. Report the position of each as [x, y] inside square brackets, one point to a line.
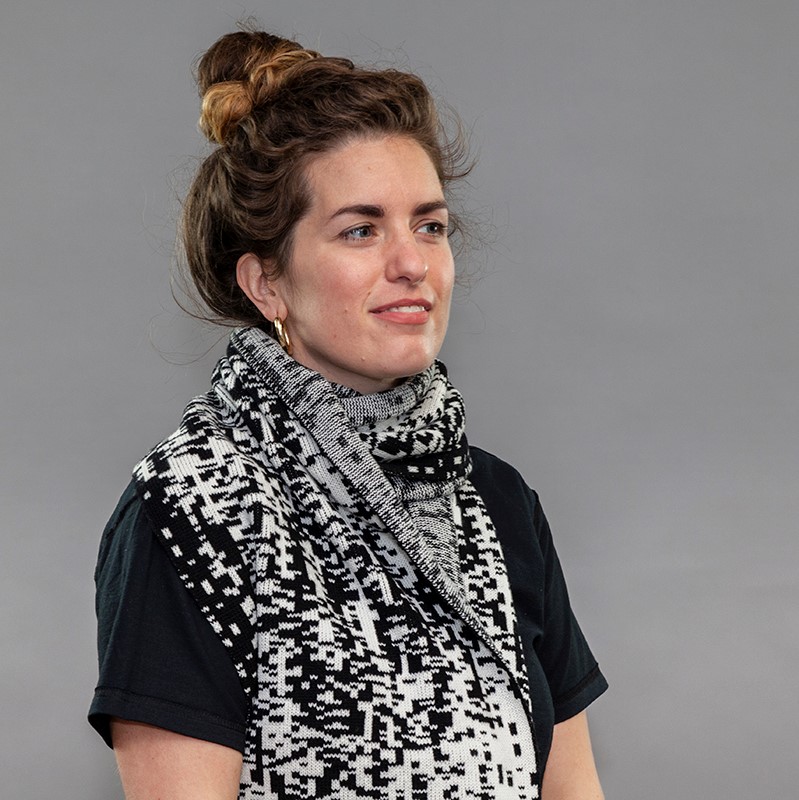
[361, 209]
[377, 212]
[428, 208]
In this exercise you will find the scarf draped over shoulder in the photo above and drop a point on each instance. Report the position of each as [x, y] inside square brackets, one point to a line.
[337, 547]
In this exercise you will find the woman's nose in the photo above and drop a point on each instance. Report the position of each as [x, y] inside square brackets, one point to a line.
[406, 261]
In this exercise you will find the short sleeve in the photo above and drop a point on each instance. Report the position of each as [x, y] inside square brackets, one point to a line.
[160, 661]
[571, 669]
[564, 675]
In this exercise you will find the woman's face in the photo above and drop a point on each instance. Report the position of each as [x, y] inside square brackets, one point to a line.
[366, 295]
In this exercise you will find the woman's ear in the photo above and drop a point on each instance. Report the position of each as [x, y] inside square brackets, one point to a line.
[252, 275]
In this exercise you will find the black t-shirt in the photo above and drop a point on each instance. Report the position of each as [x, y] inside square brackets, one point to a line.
[161, 662]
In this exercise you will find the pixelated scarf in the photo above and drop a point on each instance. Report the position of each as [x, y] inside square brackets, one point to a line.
[337, 547]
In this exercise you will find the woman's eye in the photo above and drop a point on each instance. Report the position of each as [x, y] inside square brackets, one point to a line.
[433, 229]
[361, 232]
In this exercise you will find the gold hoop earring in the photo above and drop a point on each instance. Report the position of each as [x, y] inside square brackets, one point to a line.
[282, 334]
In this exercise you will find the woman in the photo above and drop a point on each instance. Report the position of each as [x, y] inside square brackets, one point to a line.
[315, 587]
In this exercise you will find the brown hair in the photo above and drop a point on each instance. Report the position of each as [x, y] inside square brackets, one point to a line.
[270, 106]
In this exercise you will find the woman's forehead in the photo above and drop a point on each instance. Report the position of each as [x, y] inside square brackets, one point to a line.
[372, 172]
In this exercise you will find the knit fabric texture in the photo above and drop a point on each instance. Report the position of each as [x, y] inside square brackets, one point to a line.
[337, 547]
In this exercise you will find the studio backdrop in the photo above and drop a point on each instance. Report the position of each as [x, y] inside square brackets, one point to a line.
[625, 333]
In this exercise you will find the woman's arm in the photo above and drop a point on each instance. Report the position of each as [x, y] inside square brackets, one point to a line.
[156, 764]
[570, 773]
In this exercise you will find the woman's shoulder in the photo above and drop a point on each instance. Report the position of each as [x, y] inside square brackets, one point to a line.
[500, 484]
[484, 460]
[191, 686]
[125, 533]
[515, 509]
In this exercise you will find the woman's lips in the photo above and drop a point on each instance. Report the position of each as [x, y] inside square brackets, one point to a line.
[405, 312]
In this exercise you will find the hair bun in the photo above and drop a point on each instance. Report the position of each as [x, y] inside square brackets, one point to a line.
[238, 74]
[224, 104]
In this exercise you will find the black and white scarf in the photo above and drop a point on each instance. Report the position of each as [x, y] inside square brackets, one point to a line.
[335, 544]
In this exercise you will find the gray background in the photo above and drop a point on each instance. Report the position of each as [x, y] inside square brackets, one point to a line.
[631, 345]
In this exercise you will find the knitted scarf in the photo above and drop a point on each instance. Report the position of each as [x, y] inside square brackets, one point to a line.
[335, 544]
